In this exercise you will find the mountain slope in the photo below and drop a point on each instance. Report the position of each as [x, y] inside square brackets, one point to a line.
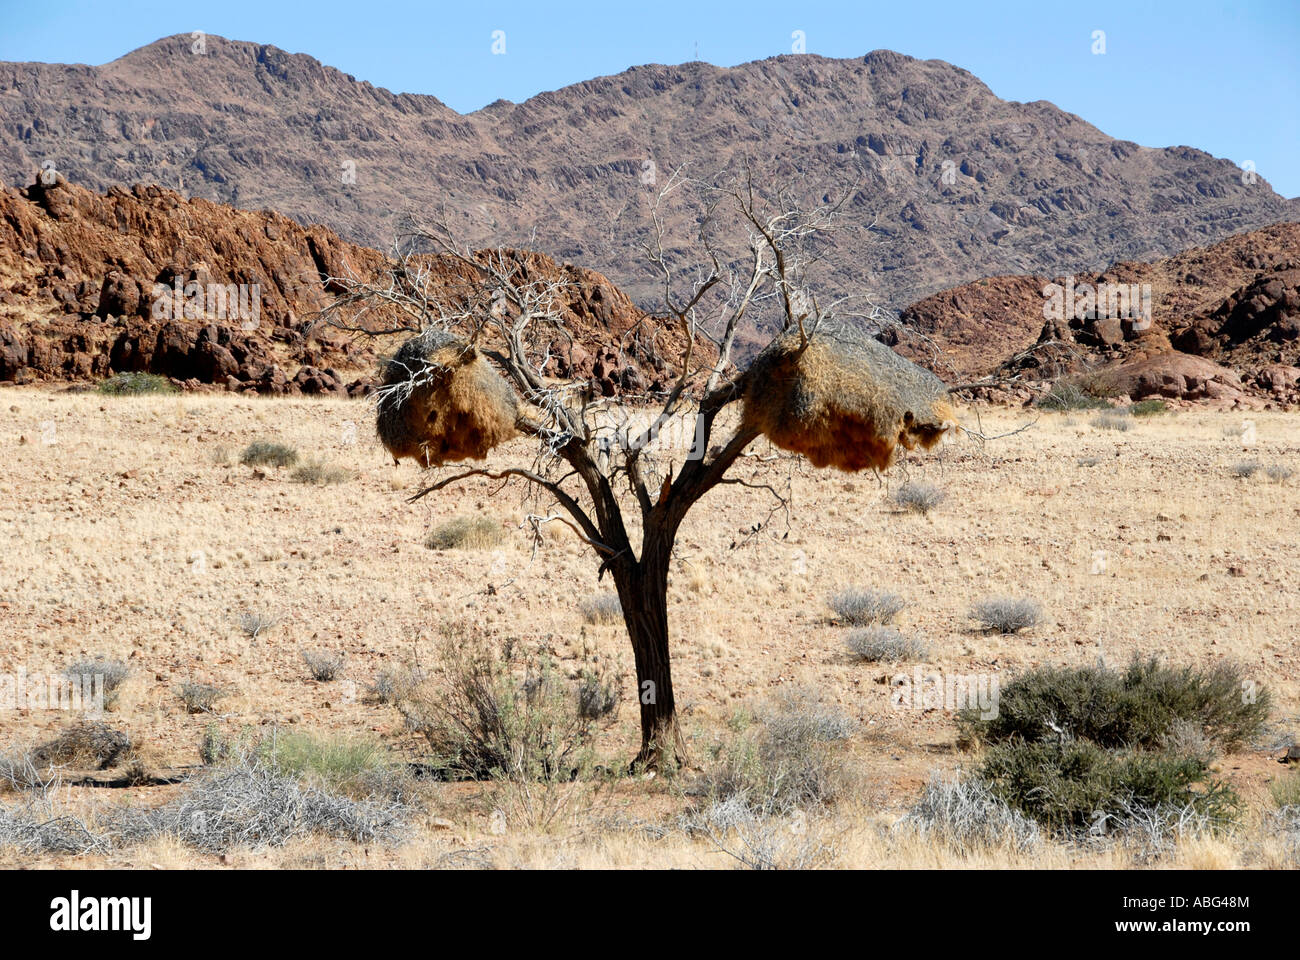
[948, 182]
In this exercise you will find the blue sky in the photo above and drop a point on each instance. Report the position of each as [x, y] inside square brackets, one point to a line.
[1224, 77]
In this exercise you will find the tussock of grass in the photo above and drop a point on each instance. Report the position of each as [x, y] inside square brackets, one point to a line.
[320, 473]
[885, 644]
[263, 453]
[1114, 420]
[785, 761]
[465, 533]
[918, 497]
[1148, 408]
[1245, 468]
[602, 609]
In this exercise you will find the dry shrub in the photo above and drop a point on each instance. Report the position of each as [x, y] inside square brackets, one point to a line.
[441, 401]
[199, 697]
[488, 719]
[1007, 614]
[86, 744]
[844, 399]
[320, 473]
[786, 761]
[967, 816]
[885, 644]
[918, 497]
[865, 607]
[602, 609]
[263, 453]
[325, 665]
[465, 533]
[111, 673]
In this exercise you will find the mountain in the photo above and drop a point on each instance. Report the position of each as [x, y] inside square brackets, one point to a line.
[147, 280]
[946, 182]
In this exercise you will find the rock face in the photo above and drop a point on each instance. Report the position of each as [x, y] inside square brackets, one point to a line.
[949, 183]
[1225, 322]
[145, 280]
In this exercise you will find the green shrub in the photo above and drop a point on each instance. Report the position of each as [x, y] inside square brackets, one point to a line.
[1069, 786]
[134, 384]
[1141, 706]
[1148, 408]
[265, 453]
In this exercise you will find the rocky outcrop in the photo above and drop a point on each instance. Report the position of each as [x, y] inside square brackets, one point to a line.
[210, 296]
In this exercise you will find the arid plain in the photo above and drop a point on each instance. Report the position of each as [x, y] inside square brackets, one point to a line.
[132, 531]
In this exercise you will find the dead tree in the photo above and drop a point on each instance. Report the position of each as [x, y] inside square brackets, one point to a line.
[824, 387]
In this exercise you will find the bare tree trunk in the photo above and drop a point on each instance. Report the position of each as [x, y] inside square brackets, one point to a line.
[643, 592]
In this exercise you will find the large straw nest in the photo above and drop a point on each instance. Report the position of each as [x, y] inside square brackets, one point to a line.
[441, 401]
[844, 399]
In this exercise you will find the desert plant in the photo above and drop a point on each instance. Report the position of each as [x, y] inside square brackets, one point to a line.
[966, 815]
[1148, 408]
[87, 743]
[1278, 472]
[247, 803]
[1075, 786]
[1142, 706]
[1007, 614]
[108, 675]
[1245, 468]
[918, 497]
[199, 697]
[131, 384]
[877, 644]
[1285, 790]
[865, 607]
[1070, 396]
[262, 453]
[784, 761]
[484, 720]
[1114, 420]
[337, 763]
[598, 694]
[465, 533]
[602, 609]
[320, 473]
[325, 665]
[254, 623]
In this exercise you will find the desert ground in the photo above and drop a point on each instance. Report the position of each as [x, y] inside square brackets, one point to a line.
[132, 531]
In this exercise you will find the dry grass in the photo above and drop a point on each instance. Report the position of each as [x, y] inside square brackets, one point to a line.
[152, 567]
